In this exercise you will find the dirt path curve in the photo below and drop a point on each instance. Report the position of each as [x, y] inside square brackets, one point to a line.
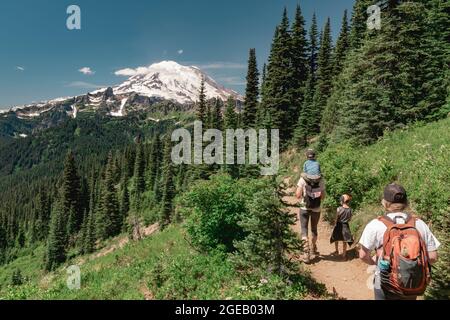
[348, 279]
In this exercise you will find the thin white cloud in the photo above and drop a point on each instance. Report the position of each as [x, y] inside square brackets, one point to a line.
[180, 51]
[128, 72]
[87, 71]
[85, 85]
[233, 81]
[20, 68]
[222, 65]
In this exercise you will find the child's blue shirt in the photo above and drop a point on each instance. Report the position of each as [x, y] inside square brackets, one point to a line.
[312, 167]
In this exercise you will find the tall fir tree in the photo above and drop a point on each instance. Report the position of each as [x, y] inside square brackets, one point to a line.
[249, 114]
[139, 170]
[313, 46]
[201, 110]
[269, 237]
[277, 100]
[71, 194]
[124, 200]
[358, 30]
[109, 220]
[231, 122]
[89, 236]
[324, 78]
[329, 117]
[216, 115]
[300, 65]
[57, 239]
[168, 186]
[155, 162]
[342, 46]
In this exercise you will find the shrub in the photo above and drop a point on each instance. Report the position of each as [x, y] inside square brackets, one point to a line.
[213, 209]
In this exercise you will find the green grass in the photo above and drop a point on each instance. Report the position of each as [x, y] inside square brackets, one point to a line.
[162, 266]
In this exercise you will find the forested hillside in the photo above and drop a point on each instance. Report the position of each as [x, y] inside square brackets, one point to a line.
[66, 191]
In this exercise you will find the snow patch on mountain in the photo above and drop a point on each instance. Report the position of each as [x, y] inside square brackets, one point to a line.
[121, 109]
[172, 81]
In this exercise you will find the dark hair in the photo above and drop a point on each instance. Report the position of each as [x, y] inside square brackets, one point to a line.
[310, 154]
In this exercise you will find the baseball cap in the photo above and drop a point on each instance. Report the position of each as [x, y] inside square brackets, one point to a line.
[395, 193]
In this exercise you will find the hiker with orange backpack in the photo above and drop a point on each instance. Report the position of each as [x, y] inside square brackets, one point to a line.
[310, 192]
[405, 249]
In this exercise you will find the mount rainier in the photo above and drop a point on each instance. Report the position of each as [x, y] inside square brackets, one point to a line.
[166, 81]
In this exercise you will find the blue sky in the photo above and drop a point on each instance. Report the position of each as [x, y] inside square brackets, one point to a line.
[41, 59]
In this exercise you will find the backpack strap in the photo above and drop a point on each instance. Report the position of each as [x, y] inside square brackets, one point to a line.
[409, 220]
[386, 220]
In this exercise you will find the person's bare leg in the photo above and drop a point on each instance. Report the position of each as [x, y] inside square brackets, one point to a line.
[336, 245]
[306, 249]
[314, 245]
[344, 250]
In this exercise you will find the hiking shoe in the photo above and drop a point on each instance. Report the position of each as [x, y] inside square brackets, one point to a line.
[306, 258]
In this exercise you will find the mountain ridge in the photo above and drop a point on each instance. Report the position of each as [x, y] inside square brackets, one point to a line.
[162, 81]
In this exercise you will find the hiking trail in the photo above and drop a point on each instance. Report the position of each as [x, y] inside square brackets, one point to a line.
[346, 279]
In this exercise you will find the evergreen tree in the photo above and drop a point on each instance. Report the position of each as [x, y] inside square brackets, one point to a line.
[231, 122]
[89, 236]
[342, 46]
[155, 162]
[358, 29]
[125, 200]
[57, 238]
[109, 220]
[374, 95]
[270, 239]
[230, 116]
[139, 170]
[17, 278]
[202, 105]
[277, 100]
[216, 117]
[324, 78]
[251, 93]
[313, 46]
[329, 117]
[71, 194]
[300, 65]
[168, 187]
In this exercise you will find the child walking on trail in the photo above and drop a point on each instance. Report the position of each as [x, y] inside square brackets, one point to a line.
[341, 231]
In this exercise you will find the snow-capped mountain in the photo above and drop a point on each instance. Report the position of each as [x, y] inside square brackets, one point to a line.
[163, 81]
[171, 81]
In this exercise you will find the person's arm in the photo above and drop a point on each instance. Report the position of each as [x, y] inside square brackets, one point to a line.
[299, 193]
[322, 196]
[364, 255]
[433, 255]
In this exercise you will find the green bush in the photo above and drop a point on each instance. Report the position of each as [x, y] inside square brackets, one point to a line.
[213, 210]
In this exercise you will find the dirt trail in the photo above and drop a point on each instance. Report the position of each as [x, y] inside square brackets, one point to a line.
[348, 278]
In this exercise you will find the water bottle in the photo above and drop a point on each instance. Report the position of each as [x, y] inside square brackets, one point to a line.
[383, 265]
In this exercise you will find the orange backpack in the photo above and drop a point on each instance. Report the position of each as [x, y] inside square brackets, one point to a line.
[405, 250]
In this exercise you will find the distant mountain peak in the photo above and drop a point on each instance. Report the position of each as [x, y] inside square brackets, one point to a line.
[170, 80]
